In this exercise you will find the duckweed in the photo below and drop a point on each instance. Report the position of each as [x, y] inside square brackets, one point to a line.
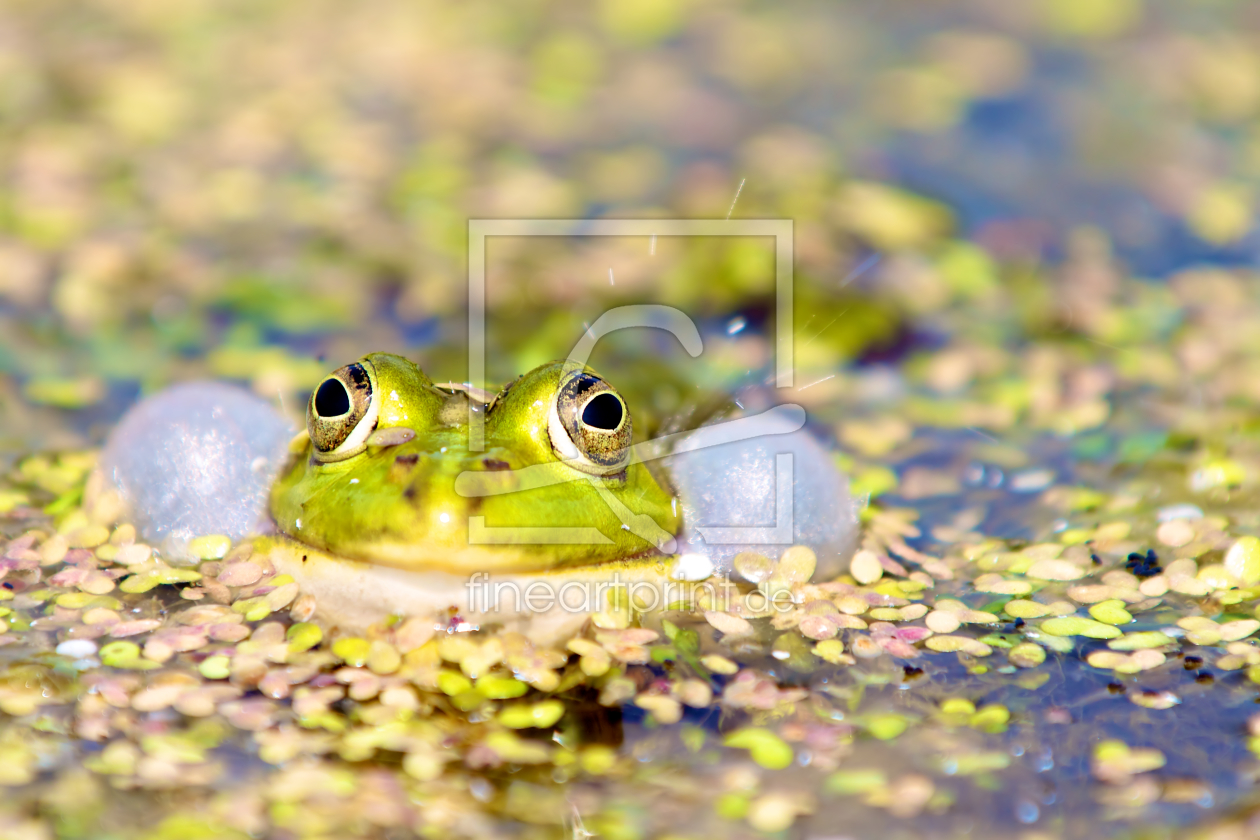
[885, 727]
[1141, 640]
[852, 782]
[1116, 762]
[381, 657]
[211, 547]
[453, 683]
[1108, 612]
[497, 687]
[303, 636]
[215, 668]
[353, 651]
[1078, 626]
[1243, 560]
[731, 806]
[1026, 655]
[535, 715]
[764, 747]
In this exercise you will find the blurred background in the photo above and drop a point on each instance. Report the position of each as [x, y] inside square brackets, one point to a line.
[262, 191]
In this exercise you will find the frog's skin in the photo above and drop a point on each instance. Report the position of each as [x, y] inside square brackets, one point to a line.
[356, 491]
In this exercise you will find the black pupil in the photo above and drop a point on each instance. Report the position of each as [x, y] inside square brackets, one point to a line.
[332, 399]
[603, 412]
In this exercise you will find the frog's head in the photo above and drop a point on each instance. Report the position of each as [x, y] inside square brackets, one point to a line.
[385, 473]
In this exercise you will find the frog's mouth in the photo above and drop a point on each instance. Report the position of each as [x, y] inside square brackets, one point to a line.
[465, 538]
[428, 525]
[489, 556]
[354, 594]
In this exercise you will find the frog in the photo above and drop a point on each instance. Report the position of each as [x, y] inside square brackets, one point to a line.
[384, 473]
[408, 497]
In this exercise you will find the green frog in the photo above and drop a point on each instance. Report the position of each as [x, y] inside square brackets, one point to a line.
[405, 497]
[387, 509]
[384, 473]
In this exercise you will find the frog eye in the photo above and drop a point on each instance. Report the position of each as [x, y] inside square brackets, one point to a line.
[342, 412]
[590, 425]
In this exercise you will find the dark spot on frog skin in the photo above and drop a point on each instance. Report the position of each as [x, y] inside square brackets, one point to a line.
[402, 466]
[494, 464]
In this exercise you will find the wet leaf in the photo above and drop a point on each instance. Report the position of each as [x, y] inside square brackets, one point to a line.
[1077, 626]
[764, 747]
